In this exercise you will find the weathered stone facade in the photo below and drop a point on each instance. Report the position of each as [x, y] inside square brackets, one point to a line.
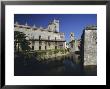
[89, 46]
[43, 38]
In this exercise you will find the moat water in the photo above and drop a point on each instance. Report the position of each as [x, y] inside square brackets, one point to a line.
[68, 66]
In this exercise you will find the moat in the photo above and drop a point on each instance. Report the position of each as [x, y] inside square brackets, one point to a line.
[69, 65]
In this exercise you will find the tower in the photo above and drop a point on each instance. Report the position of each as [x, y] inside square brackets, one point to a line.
[56, 23]
[34, 26]
[54, 26]
[72, 36]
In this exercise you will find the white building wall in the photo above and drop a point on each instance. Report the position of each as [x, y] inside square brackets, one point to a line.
[43, 46]
[36, 47]
[44, 33]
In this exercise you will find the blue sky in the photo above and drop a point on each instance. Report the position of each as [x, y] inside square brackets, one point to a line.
[68, 22]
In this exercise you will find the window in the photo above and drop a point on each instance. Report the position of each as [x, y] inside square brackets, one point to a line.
[39, 47]
[45, 47]
[49, 43]
[40, 42]
[48, 37]
[32, 37]
[32, 47]
[55, 38]
[39, 37]
[55, 47]
[55, 26]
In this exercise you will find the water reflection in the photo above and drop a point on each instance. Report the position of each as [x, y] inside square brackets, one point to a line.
[69, 65]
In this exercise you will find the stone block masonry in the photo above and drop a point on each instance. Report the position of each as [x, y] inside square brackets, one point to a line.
[89, 46]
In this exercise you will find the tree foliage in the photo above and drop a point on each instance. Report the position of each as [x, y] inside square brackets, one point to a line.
[20, 41]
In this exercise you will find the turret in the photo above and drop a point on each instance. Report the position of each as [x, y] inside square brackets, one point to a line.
[16, 23]
[34, 27]
[26, 24]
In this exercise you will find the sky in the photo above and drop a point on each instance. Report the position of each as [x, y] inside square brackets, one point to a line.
[68, 22]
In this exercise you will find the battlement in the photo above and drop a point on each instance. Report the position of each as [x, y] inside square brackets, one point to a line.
[91, 27]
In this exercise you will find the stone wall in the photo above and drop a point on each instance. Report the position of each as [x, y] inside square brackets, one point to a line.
[89, 46]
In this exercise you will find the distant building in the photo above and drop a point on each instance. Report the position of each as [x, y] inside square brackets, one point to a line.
[43, 38]
[74, 43]
[67, 45]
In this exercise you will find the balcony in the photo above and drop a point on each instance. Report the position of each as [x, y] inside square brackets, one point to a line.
[51, 40]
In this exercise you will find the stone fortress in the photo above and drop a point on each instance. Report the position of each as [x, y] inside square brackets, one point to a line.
[89, 45]
[43, 38]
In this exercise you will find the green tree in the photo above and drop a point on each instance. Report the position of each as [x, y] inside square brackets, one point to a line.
[20, 41]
